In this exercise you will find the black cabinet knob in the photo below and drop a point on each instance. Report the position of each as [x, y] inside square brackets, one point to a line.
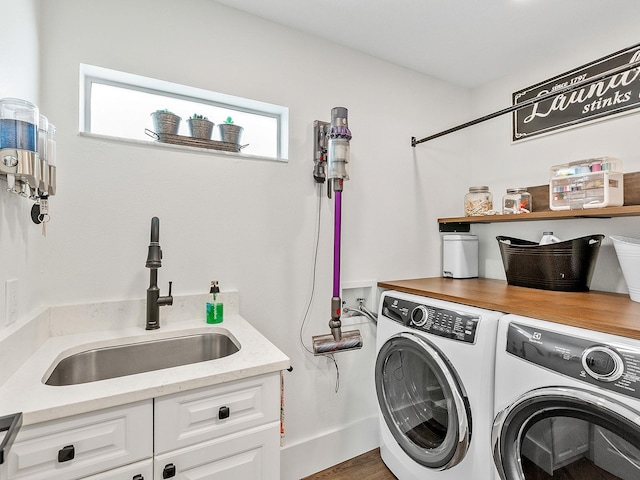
[138, 477]
[169, 471]
[223, 413]
[66, 453]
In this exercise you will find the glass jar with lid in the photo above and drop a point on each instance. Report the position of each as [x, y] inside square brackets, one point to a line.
[478, 201]
[516, 200]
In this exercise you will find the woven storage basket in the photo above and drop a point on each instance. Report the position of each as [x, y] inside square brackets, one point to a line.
[195, 142]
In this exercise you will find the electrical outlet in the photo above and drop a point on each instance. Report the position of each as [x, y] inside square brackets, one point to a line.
[11, 300]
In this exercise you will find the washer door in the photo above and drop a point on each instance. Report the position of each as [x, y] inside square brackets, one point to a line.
[560, 432]
[423, 401]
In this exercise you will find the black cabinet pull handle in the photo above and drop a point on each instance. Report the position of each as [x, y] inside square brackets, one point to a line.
[66, 453]
[138, 477]
[169, 471]
[223, 413]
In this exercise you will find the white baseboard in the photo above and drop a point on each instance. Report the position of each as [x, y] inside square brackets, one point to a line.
[330, 448]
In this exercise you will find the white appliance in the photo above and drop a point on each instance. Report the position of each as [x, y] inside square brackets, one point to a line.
[567, 402]
[434, 383]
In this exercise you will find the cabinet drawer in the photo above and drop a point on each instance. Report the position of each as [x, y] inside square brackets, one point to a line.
[184, 419]
[82, 445]
[254, 454]
[136, 471]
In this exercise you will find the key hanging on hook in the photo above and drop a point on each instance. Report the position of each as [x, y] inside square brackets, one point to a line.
[44, 214]
[40, 213]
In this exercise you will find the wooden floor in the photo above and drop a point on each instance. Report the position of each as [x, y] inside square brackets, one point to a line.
[368, 465]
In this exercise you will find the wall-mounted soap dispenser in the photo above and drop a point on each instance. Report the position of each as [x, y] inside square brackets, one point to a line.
[19, 123]
[27, 153]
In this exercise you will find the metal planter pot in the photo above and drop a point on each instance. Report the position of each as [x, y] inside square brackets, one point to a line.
[200, 128]
[230, 133]
[165, 122]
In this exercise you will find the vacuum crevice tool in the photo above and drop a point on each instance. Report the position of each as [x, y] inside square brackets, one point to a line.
[338, 158]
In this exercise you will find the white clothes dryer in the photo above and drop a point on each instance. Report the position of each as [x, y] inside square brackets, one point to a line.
[434, 383]
[567, 403]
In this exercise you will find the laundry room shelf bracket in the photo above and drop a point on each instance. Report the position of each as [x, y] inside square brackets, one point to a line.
[530, 102]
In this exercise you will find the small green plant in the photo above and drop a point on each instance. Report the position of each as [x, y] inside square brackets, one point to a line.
[229, 121]
[197, 116]
[164, 110]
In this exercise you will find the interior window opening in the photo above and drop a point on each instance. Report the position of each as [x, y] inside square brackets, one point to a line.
[119, 105]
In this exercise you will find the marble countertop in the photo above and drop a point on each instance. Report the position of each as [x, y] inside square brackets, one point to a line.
[24, 391]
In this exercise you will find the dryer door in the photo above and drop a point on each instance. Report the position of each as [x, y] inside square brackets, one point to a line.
[562, 432]
[422, 401]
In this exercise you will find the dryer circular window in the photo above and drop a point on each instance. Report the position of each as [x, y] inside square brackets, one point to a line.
[548, 428]
[423, 401]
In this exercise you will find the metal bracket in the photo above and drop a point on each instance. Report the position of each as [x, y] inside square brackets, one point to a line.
[320, 136]
[455, 227]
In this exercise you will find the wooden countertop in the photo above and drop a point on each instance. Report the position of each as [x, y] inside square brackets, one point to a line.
[606, 312]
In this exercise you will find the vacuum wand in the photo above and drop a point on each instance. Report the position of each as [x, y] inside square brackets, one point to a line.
[337, 162]
[336, 301]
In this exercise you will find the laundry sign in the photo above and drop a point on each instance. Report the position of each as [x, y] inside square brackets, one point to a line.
[597, 90]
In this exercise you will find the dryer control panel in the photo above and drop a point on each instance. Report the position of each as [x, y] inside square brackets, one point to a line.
[613, 367]
[427, 318]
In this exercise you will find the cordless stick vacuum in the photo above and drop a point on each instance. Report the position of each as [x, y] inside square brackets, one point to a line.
[337, 141]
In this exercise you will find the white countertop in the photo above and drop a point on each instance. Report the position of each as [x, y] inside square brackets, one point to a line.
[25, 391]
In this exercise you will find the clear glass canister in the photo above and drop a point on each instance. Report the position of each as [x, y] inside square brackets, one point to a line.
[516, 200]
[478, 201]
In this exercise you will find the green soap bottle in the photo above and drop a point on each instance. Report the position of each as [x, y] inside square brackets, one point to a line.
[214, 307]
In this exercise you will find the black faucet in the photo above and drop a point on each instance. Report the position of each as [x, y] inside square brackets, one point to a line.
[154, 262]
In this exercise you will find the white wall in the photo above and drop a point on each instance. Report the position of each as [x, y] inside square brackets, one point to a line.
[20, 239]
[250, 224]
[501, 164]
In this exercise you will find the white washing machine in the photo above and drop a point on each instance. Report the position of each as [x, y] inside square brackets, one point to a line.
[567, 403]
[434, 382]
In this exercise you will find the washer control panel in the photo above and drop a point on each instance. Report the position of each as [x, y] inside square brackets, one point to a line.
[615, 368]
[427, 318]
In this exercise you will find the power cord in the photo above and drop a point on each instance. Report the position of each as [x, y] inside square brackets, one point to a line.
[313, 286]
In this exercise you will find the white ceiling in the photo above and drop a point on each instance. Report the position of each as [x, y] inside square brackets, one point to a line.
[465, 42]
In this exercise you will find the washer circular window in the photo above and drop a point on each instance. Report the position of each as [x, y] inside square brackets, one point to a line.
[422, 401]
[562, 433]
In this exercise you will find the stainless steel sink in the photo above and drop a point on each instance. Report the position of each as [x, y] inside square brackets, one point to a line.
[121, 360]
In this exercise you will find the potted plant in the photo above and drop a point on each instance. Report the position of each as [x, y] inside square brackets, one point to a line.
[229, 132]
[165, 121]
[200, 126]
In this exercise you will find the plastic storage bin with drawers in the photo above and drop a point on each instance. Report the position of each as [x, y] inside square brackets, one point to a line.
[591, 183]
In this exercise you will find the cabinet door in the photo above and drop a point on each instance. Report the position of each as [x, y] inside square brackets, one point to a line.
[136, 471]
[250, 455]
[196, 416]
[82, 445]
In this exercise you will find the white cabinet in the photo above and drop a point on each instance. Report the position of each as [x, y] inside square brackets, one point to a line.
[83, 445]
[251, 455]
[229, 431]
[136, 471]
